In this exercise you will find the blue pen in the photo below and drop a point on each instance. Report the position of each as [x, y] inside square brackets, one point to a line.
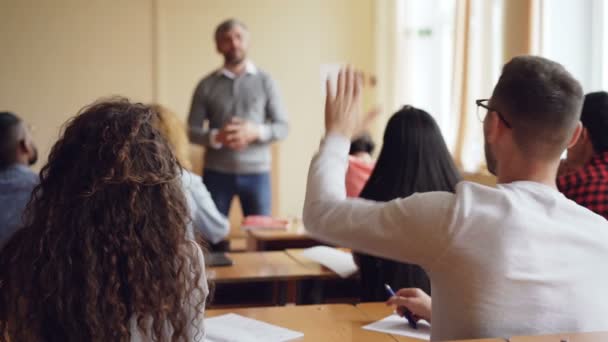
[407, 313]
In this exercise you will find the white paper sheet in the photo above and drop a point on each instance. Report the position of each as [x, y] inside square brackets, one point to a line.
[397, 325]
[336, 260]
[236, 328]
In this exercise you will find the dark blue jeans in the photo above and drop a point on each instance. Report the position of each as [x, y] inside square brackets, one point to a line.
[253, 191]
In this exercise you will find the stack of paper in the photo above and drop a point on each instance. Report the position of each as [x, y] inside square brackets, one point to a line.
[236, 328]
[336, 260]
[397, 325]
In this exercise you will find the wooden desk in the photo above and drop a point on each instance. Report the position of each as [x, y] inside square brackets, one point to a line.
[377, 311]
[296, 254]
[482, 340]
[265, 266]
[275, 267]
[270, 240]
[330, 322]
[570, 337]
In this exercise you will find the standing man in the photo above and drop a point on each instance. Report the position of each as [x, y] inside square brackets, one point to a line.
[17, 153]
[241, 108]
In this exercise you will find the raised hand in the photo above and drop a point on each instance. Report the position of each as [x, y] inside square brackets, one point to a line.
[343, 114]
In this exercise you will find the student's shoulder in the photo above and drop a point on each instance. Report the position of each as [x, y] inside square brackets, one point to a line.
[33, 178]
[465, 189]
[470, 195]
[190, 179]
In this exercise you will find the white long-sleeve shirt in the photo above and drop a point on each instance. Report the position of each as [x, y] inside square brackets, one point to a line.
[518, 259]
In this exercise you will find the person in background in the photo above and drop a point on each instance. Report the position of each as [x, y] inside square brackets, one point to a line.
[414, 159]
[360, 164]
[503, 261]
[17, 153]
[104, 254]
[236, 113]
[206, 219]
[583, 176]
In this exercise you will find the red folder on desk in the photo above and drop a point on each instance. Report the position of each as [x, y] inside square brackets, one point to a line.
[264, 222]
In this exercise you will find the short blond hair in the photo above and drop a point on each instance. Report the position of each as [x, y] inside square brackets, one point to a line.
[174, 131]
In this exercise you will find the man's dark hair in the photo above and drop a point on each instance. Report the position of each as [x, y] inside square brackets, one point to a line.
[9, 136]
[226, 26]
[362, 143]
[595, 119]
[541, 101]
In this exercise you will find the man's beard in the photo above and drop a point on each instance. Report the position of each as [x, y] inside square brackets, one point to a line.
[234, 58]
[490, 158]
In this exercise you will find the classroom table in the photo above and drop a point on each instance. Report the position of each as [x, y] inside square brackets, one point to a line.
[297, 255]
[276, 267]
[377, 311]
[337, 290]
[329, 322]
[568, 337]
[266, 266]
[272, 239]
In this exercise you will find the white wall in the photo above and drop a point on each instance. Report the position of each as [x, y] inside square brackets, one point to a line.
[60, 55]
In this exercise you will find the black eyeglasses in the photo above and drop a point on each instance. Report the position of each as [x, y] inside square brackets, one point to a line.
[483, 103]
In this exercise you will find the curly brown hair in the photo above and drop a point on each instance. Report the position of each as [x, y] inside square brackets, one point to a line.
[104, 249]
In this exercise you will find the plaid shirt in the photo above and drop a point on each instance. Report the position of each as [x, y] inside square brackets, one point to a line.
[588, 186]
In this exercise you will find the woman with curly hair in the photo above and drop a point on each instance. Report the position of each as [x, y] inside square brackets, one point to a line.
[105, 254]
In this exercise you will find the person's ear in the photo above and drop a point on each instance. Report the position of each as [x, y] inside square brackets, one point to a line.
[491, 127]
[579, 135]
[23, 146]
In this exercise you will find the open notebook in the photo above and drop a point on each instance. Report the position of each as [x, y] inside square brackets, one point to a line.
[232, 327]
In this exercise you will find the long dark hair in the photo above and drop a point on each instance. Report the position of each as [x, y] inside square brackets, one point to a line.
[414, 158]
[105, 238]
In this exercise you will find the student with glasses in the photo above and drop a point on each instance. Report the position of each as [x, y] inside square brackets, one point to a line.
[515, 259]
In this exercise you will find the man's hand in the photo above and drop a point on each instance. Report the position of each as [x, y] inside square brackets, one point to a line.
[415, 300]
[238, 134]
[343, 114]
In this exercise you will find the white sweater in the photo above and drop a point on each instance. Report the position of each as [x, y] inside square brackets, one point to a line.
[205, 217]
[518, 259]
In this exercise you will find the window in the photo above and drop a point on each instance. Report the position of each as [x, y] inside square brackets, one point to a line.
[573, 32]
[434, 74]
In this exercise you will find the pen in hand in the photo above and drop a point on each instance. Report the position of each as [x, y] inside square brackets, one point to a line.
[406, 312]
